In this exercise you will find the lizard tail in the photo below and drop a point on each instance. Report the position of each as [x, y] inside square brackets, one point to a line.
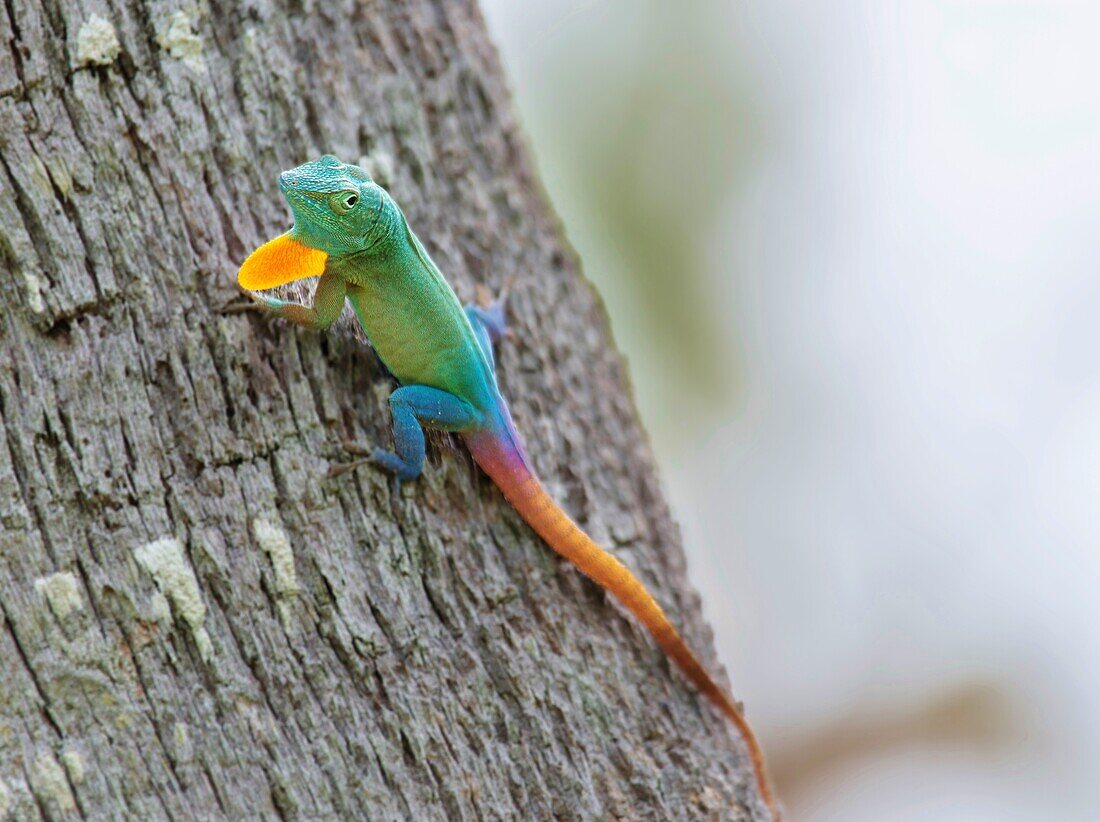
[500, 455]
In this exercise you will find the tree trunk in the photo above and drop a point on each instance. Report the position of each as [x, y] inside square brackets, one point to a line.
[196, 622]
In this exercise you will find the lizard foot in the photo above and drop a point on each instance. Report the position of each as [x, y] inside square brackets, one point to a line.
[386, 460]
[489, 311]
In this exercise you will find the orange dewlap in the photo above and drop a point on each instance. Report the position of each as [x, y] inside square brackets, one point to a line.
[278, 262]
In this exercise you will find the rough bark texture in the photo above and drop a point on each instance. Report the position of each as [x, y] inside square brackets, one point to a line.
[194, 621]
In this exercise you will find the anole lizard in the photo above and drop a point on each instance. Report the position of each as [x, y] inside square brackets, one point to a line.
[348, 230]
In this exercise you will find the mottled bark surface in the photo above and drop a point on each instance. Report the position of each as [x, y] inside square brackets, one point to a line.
[194, 621]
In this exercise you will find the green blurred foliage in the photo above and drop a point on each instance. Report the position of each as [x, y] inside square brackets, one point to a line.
[642, 139]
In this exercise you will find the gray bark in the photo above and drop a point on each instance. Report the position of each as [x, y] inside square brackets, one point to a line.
[194, 621]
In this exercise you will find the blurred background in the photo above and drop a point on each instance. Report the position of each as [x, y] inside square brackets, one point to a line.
[850, 250]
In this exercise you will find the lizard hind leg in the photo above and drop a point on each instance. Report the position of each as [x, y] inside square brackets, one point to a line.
[489, 322]
[483, 332]
[412, 405]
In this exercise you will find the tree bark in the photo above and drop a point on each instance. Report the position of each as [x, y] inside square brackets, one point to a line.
[194, 621]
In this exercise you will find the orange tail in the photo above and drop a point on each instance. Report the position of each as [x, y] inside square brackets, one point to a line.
[504, 462]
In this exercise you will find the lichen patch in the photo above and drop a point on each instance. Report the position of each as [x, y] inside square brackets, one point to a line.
[159, 609]
[178, 38]
[48, 781]
[96, 43]
[34, 290]
[74, 766]
[62, 592]
[273, 541]
[165, 561]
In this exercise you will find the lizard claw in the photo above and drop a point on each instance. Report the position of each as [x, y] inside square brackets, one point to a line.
[256, 302]
[353, 447]
[238, 308]
[375, 456]
[368, 456]
[485, 299]
[337, 469]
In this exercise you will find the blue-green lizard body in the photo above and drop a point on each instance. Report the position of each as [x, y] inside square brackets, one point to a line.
[348, 230]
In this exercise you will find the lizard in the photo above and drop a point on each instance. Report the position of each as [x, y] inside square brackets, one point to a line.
[350, 232]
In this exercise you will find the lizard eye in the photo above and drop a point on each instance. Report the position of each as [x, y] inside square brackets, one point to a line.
[344, 201]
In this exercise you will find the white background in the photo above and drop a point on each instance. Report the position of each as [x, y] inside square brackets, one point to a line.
[879, 424]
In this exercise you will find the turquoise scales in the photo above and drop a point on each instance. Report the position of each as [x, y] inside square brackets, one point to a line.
[348, 230]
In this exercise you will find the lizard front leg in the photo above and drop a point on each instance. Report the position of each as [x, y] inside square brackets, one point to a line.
[328, 302]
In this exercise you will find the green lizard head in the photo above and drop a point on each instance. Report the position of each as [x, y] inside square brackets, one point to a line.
[338, 208]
